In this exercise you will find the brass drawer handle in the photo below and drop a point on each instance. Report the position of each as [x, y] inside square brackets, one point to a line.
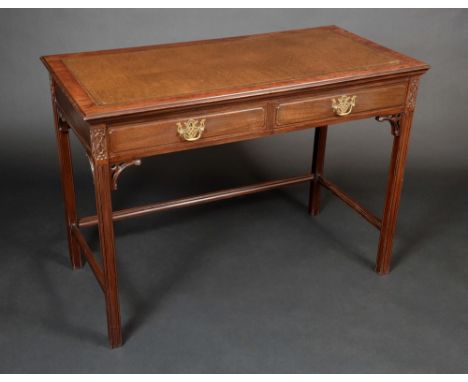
[191, 130]
[344, 105]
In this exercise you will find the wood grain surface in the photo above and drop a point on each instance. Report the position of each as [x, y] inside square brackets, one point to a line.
[116, 82]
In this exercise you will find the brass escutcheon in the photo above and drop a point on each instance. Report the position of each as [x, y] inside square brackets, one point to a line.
[191, 130]
[344, 105]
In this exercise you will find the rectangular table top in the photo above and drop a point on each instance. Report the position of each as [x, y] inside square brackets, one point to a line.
[125, 81]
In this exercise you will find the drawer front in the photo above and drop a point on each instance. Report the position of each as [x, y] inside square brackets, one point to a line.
[187, 131]
[339, 105]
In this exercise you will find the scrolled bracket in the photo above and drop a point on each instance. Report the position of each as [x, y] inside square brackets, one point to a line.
[117, 169]
[394, 120]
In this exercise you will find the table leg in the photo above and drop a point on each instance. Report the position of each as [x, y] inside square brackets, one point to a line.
[68, 188]
[102, 185]
[401, 130]
[318, 160]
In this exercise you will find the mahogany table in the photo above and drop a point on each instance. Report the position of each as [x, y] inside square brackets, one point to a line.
[127, 104]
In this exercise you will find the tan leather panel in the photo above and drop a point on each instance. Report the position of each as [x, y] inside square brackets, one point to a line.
[182, 70]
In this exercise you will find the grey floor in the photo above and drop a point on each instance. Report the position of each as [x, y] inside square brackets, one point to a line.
[246, 285]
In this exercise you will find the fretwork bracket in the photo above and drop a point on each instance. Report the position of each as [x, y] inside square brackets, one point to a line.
[117, 169]
[394, 120]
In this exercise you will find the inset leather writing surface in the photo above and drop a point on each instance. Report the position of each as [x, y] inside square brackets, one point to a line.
[184, 70]
[162, 74]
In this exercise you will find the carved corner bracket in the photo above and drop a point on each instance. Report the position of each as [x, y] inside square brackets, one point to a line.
[394, 120]
[117, 169]
[62, 123]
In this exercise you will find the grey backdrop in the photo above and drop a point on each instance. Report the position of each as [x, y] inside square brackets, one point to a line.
[252, 284]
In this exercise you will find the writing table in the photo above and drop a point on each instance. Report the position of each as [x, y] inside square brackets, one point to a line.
[128, 104]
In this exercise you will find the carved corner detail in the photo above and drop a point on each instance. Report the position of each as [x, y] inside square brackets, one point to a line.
[99, 143]
[412, 94]
[394, 120]
[117, 169]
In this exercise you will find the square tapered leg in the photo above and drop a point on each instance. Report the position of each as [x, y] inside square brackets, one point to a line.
[102, 184]
[318, 161]
[66, 177]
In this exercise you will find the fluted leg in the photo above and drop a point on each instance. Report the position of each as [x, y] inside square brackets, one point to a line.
[102, 184]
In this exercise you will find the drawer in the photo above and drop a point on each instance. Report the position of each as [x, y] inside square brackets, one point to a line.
[187, 131]
[338, 105]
